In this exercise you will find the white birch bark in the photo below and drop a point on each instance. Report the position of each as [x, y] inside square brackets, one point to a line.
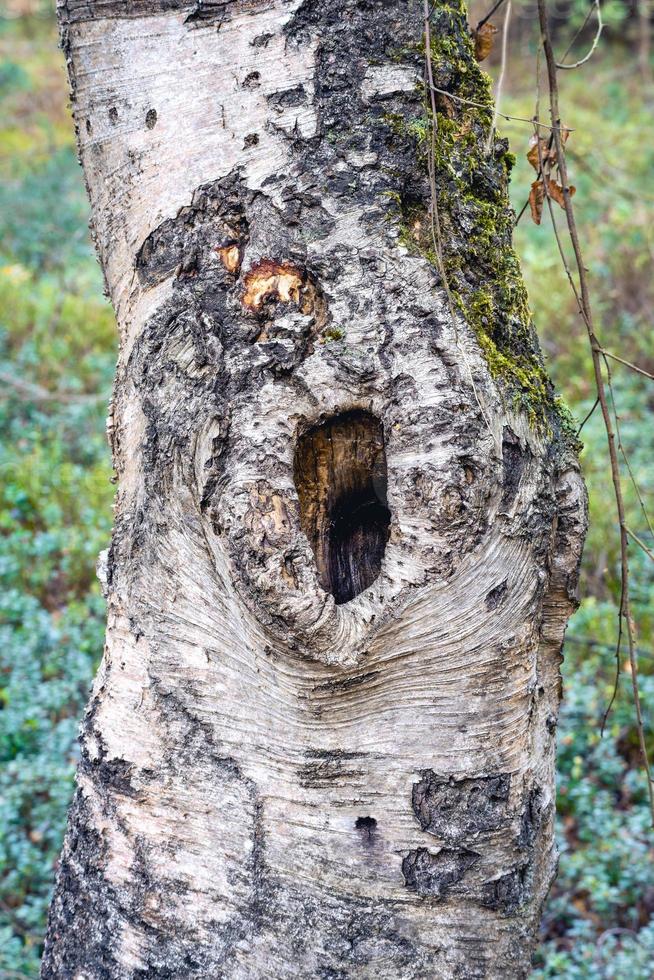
[274, 783]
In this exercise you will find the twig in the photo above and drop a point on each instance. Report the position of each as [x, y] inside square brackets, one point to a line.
[502, 115]
[577, 33]
[596, 353]
[623, 453]
[634, 367]
[434, 214]
[587, 417]
[500, 81]
[522, 211]
[30, 390]
[640, 543]
[600, 27]
[489, 14]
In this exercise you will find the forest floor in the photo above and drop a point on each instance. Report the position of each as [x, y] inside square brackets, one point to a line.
[57, 355]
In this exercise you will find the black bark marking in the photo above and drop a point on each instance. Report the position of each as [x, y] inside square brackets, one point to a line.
[113, 115]
[287, 97]
[434, 874]
[208, 13]
[215, 13]
[344, 684]
[496, 596]
[215, 219]
[366, 827]
[341, 479]
[453, 809]
[151, 118]
[253, 80]
[261, 40]
[532, 817]
[79, 11]
[507, 893]
[514, 460]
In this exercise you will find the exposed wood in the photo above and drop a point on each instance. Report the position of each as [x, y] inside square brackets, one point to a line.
[341, 482]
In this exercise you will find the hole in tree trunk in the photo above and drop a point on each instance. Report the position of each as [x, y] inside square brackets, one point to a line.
[340, 477]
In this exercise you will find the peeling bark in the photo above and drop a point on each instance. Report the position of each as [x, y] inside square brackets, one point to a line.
[321, 740]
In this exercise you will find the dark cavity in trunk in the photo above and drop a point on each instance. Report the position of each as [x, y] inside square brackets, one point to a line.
[341, 480]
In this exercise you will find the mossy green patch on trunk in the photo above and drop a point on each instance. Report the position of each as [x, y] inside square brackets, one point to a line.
[472, 174]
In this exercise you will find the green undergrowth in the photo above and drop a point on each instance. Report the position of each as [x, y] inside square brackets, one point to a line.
[57, 352]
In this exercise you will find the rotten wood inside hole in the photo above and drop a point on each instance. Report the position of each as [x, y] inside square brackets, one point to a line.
[341, 481]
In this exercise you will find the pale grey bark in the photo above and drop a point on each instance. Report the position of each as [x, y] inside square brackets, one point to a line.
[275, 783]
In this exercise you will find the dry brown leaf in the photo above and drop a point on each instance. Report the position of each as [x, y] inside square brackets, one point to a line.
[533, 156]
[484, 39]
[536, 198]
[556, 192]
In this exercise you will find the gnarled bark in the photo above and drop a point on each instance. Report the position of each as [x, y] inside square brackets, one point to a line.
[321, 740]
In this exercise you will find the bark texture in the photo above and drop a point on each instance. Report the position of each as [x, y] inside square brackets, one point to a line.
[321, 741]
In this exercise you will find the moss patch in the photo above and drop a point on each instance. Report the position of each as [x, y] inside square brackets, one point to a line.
[476, 218]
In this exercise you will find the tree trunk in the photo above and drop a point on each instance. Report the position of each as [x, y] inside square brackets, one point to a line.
[321, 742]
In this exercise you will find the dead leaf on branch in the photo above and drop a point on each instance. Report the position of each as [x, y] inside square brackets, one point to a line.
[534, 156]
[547, 153]
[556, 192]
[536, 198]
[544, 159]
[484, 39]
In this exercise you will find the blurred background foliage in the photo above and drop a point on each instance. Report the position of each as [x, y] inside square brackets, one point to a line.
[57, 353]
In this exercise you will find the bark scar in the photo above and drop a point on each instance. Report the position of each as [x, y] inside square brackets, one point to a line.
[280, 281]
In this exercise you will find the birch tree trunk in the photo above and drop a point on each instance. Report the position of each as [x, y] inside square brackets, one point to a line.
[321, 742]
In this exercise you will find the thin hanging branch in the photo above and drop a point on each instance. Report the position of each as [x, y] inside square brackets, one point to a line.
[641, 544]
[573, 286]
[583, 294]
[33, 392]
[577, 33]
[587, 417]
[501, 115]
[488, 16]
[600, 28]
[634, 367]
[500, 82]
[431, 165]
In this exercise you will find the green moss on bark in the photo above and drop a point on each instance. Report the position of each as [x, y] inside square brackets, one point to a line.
[476, 218]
